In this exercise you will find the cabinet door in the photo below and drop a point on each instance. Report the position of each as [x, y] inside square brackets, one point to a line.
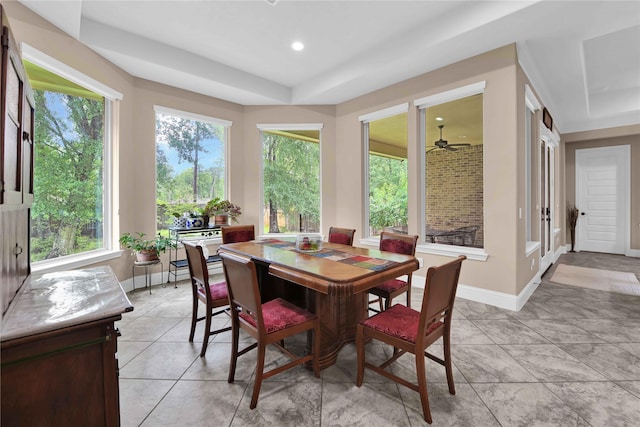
[11, 138]
[28, 129]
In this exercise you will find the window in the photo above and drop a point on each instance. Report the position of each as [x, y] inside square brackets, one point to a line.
[71, 214]
[290, 178]
[190, 163]
[385, 141]
[452, 138]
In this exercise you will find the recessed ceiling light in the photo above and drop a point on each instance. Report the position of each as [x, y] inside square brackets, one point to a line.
[439, 119]
[297, 46]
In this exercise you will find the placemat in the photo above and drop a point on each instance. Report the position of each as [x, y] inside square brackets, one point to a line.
[370, 263]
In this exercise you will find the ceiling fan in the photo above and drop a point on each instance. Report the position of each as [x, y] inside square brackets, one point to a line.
[442, 144]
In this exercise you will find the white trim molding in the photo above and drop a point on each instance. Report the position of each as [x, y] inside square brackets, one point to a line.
[289, 126]
[191, 116]
[384, 113]
[487, 296]
[450, 95]
[43, 60]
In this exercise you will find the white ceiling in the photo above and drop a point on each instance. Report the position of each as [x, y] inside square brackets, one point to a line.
[583, 57]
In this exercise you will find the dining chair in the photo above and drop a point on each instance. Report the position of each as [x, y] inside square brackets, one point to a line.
[238, 233]
[268, 323]
[400, 244]
[408, 330]
[213, 296]
[343, 236]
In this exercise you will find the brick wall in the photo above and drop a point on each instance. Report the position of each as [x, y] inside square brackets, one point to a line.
[454, 192]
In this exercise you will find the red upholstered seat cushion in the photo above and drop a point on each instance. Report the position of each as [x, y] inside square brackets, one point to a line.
[396, 246]
[279, 314]
[391, 285]
[340, 238]
[218, 291]
[399, 321]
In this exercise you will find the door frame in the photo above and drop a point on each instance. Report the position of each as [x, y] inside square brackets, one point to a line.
[550, 140]
[625, 150]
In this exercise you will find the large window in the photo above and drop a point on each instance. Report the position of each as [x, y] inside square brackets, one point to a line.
[190, 163]
[291, 178]
[71, 212]
[452, 134]
[385, 140]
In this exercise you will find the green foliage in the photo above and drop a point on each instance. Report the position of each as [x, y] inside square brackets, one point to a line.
[218, 206]
[67, 173]
[186, 137]
[138, 243]
[291, 179]
[388, 190]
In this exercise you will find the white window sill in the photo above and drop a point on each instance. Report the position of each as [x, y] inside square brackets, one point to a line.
[477, 254]
[531, 247]
[290, 237]
[73, 261]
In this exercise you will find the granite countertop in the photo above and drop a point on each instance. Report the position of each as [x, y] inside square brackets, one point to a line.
[63, 299]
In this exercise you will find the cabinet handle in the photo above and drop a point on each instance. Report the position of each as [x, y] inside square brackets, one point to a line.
[18, 250]
[25, 135]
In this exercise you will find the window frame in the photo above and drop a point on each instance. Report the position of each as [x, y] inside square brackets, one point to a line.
[365, 119]
[112, 98]
[226, 124]
[478, 254]
[284, 127]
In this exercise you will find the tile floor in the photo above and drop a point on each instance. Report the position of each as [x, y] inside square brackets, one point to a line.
[570, 357]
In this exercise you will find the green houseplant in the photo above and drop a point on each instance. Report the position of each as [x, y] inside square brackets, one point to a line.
[222, 210]
[146, 249]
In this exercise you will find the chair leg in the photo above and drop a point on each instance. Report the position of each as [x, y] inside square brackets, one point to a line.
[422, 386]
[194, 317]
[387, 302]
[316, 348]
[409, 296]
[207, 332]
[259, 371]
[380, 303]
[447, 362]
[235, 334]
[360, 354]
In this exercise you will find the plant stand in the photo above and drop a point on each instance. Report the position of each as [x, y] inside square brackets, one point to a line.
[147, 277]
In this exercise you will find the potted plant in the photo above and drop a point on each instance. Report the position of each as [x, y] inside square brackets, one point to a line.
[222, 211]
[146, 249]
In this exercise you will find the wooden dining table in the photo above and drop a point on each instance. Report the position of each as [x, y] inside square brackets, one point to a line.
[331, 282]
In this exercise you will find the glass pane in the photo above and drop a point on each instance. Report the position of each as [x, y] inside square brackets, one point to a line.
[388, 175]
[291, 180]
[67, 215]
[190, 167]
[454, 173]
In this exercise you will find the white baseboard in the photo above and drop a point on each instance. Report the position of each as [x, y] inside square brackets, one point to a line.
[487, 296]
[158, 279]
[632, 253]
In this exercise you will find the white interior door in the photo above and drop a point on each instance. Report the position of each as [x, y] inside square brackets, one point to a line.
[602, 196]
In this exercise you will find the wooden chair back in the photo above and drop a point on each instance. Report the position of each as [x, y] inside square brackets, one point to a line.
[398, 243]
[238, 233]
[242, 285]
[343, 236]
[439, 296]
[197, 264]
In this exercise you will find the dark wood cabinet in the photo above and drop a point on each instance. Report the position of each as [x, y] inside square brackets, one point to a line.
[58, 341]
[16, 167]
[59, 345]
